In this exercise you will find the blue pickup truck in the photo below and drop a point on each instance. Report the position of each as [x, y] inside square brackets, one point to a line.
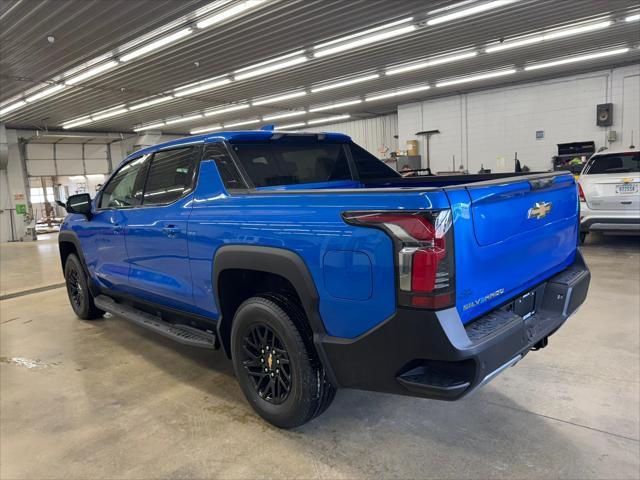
[315, 266]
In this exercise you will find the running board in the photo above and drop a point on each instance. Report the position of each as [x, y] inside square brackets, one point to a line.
[184, 334]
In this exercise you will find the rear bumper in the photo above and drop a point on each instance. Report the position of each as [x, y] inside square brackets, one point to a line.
[433, 355]
[608, 220]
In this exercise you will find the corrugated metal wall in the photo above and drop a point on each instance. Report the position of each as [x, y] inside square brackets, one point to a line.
[375, 134]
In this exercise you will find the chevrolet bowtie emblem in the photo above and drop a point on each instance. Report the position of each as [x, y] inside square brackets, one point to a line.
[540, 210]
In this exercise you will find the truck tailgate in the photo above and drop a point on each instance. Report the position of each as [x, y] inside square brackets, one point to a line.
[509, 236]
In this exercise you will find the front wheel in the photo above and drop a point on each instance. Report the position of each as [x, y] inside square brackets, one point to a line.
[275, 361]
[80, 297]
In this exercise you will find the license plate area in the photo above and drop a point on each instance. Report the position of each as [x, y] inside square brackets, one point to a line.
[626, 188]
[524, 306]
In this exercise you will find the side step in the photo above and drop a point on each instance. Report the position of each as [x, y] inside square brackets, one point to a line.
[184, 334]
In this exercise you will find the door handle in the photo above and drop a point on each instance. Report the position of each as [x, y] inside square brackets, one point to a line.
[171, 231]
[117, 229]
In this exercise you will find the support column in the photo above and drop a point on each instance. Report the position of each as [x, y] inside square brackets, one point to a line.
[22, 149]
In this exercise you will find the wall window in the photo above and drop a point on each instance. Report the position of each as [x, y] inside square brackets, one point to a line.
[170, 176]
[37, 194]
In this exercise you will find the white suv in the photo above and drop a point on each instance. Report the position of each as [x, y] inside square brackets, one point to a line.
[609, 187]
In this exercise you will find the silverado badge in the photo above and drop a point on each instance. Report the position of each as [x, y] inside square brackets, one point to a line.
[540, 210]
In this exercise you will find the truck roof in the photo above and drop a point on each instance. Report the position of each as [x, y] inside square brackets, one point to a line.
[236, 135]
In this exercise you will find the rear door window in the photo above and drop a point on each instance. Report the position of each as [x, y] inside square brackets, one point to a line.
[171, 175]
[614, 163]
[274, 163]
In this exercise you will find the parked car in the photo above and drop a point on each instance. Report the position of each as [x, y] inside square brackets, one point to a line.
[314, 266]
[610, 193]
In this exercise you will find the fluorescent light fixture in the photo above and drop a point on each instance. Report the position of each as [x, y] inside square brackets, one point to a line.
[92, 72]
[362, 33]
[183, 119]
[475, 78]
[113, 113]
[335, 118]
[290, 125]
[202, 86]
[550, 35]
[44, 93]
[364, 41]
[632, 18]
[449, 7]
[333, 106]
[483, 7]
[12, 107]
[239, 124]
[429, 63]
[149, 103]
[210, 6]
[161, 42]
[228, 13]
[404, 91]
[344, 83]
[579, 58]
[283, 115]
[279, 98]
[270, 67]
[77, 122]
[220, 111]
[149, 127]
[210, 128]
[273, 60]
[514, 44]
[568, 32]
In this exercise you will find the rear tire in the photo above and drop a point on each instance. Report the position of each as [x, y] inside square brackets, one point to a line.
[275, 362]
[80, 296]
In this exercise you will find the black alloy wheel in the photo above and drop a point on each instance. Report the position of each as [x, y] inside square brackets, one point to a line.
[80, 296]
[266, 360]
[275, 360]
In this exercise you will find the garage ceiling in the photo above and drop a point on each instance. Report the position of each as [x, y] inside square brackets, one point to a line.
[83, 30]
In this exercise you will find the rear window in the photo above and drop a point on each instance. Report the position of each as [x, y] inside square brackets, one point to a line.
[613, 163]
[272, 163]
[370, 167]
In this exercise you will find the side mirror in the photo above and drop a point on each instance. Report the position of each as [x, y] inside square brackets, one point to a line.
[80, 203]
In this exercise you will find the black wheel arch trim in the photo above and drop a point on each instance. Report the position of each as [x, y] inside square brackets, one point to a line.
[66, 236]
[282, 262]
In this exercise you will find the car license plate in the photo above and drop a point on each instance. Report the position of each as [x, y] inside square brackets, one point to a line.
[626, 188]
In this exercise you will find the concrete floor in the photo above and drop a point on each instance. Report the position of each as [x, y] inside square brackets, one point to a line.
[106, 399]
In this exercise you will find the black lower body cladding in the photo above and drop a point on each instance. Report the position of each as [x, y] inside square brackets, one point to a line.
[433, 355]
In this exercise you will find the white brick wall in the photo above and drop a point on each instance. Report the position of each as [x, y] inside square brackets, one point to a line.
[488, 127]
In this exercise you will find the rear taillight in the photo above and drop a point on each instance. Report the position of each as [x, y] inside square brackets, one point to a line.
[581, 193]
[423, 241]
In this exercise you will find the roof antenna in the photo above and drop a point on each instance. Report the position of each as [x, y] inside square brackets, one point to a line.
[632, 145]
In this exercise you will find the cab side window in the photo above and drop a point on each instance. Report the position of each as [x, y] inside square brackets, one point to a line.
[171, 175]
[229, 174]
[125, 188]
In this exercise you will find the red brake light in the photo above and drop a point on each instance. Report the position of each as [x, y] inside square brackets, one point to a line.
[581, 193]
[424, 253]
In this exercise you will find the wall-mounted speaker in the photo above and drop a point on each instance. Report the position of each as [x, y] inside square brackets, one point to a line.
[604, 114]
